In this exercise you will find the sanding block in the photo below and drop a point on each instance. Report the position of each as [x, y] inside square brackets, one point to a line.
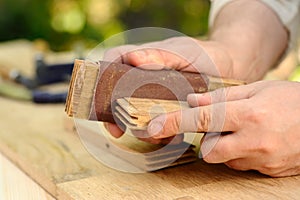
[96, 86]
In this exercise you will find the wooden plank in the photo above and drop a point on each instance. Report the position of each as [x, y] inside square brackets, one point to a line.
[57, 160]
[14, 184]
[46, 152]
[35, 139]
[195, 181]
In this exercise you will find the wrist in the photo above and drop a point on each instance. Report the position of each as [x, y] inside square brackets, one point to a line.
[221, 58]
[252, 35]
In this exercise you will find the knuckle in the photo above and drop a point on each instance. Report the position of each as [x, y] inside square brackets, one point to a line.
[273, 167]
[267, 148]
[257, 116]
[204, 120]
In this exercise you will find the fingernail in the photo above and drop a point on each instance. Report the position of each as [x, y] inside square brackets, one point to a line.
[193, 99]
[154, 128]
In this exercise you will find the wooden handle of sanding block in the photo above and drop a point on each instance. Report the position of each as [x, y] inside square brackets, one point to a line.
[95, 86]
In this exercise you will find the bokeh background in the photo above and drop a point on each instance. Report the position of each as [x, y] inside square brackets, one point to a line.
[64, 22]
[78, 25]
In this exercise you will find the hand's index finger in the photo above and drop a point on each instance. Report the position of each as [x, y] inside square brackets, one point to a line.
[220, 117]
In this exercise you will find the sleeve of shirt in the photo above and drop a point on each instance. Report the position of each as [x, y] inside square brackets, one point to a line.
[286, 10]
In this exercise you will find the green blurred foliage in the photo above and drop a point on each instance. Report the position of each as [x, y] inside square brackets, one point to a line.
[63, 22]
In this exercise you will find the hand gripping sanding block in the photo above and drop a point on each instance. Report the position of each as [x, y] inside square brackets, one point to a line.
[131, 97]
[95, 87]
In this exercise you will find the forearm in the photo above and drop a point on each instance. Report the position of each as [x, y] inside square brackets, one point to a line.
[252, 35]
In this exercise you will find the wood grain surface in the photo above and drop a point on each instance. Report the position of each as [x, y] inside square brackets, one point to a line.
[15, 184]
[35, 139]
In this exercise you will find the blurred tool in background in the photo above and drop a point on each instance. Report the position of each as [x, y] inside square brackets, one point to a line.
[15, 85]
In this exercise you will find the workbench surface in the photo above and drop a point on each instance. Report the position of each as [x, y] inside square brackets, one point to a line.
[35, 139]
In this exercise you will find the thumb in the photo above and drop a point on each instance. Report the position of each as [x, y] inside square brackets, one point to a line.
[145, 57]
[155, 59]
[233, 93]
[220, 117]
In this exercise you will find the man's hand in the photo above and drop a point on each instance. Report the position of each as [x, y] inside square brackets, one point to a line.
[178, 53]
[245, 41]
[263, 118]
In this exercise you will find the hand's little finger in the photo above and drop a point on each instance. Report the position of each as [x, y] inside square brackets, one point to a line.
[113, 129]
[223, 148]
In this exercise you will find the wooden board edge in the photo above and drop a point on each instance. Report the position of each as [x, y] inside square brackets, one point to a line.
[45, 182]
[69, 106]
[81, 91]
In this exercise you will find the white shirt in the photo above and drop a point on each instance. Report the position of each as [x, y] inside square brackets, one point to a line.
[288, 12]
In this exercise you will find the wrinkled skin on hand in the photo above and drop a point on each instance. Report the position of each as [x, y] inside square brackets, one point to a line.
[246, 39]
[263, 118]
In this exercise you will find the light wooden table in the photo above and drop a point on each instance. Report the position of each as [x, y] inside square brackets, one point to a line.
[15, 184]
[33, 137]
